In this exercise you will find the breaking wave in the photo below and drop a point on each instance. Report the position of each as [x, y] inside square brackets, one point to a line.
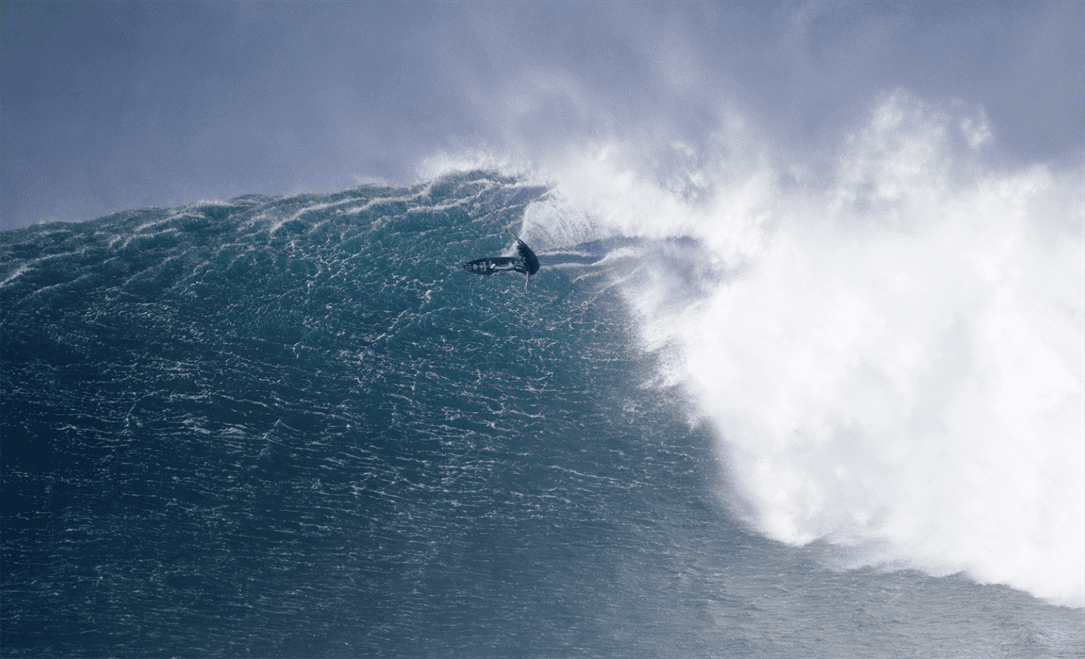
[888, 341]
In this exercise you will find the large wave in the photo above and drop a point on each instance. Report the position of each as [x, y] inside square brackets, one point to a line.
[888, 339]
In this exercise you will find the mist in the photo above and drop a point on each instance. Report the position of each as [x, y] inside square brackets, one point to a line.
[889, 351]
[109, 106]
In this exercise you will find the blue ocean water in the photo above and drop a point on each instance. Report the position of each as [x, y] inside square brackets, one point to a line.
[283, 427]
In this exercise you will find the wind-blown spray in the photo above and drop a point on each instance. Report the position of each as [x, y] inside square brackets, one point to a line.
[890, 349]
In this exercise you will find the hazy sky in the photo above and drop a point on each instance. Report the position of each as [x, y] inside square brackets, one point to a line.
[115, 105]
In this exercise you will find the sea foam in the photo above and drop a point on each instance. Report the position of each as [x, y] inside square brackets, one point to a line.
[888, 339]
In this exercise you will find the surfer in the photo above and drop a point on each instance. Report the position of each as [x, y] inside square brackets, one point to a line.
[526, 262]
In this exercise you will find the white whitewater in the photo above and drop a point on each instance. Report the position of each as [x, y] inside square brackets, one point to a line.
[888, 339]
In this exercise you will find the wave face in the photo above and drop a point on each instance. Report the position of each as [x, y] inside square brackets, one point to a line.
[294, 426]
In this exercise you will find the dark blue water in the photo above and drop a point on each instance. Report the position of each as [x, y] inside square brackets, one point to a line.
[294, 427]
